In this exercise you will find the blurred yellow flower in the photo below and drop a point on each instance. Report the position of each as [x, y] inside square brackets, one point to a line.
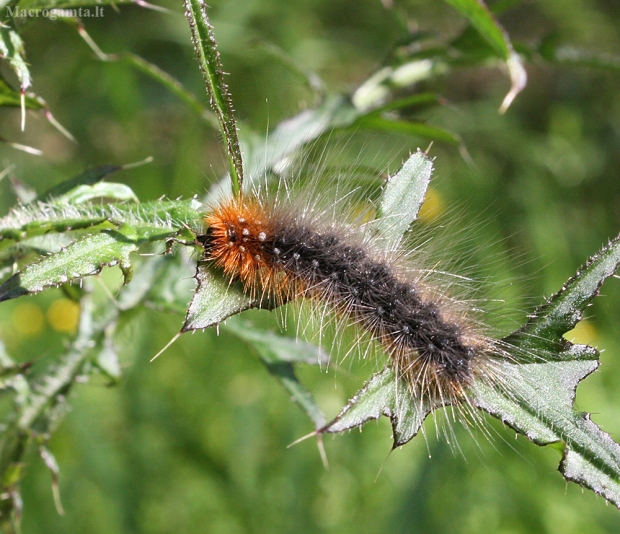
[63, 315]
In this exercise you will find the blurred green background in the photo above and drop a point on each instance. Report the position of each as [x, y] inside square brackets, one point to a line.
[197, 441]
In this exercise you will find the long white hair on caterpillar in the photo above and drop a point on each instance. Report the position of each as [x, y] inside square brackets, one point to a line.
[321, 248]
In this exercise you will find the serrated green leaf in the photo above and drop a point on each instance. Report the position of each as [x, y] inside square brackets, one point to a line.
[539, 404]
[209, 62]
[41, 218]
[384, 394]
[547, 325]
[577, 468]
[536, 393]
[82, 258]
[43, 223]
[39, 246]
[215, 299]
[538, 397]
[402, 198]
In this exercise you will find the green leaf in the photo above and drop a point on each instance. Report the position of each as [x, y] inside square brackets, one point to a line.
[276, 348]
[11, 98]
[483, 20]
[13, 253]
[209, 62]
[487, 25]
[538, 396]
[547, 325]
[384, 394]
[215, 299]
[12, 49]
[334, 115]
[86, 193]
[82, 258]
[418, 101]
[538, 402]
[89, 177]
[578, 468]
[41, 218]
[416, 128]
[403, 197]
[535, 394]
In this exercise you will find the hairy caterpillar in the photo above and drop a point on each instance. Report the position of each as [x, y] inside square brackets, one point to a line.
[281, 250]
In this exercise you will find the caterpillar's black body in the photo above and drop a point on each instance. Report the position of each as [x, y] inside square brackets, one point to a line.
[393, 310]
[278, 255]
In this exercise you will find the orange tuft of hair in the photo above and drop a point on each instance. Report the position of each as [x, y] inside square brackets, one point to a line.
[241, 234]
